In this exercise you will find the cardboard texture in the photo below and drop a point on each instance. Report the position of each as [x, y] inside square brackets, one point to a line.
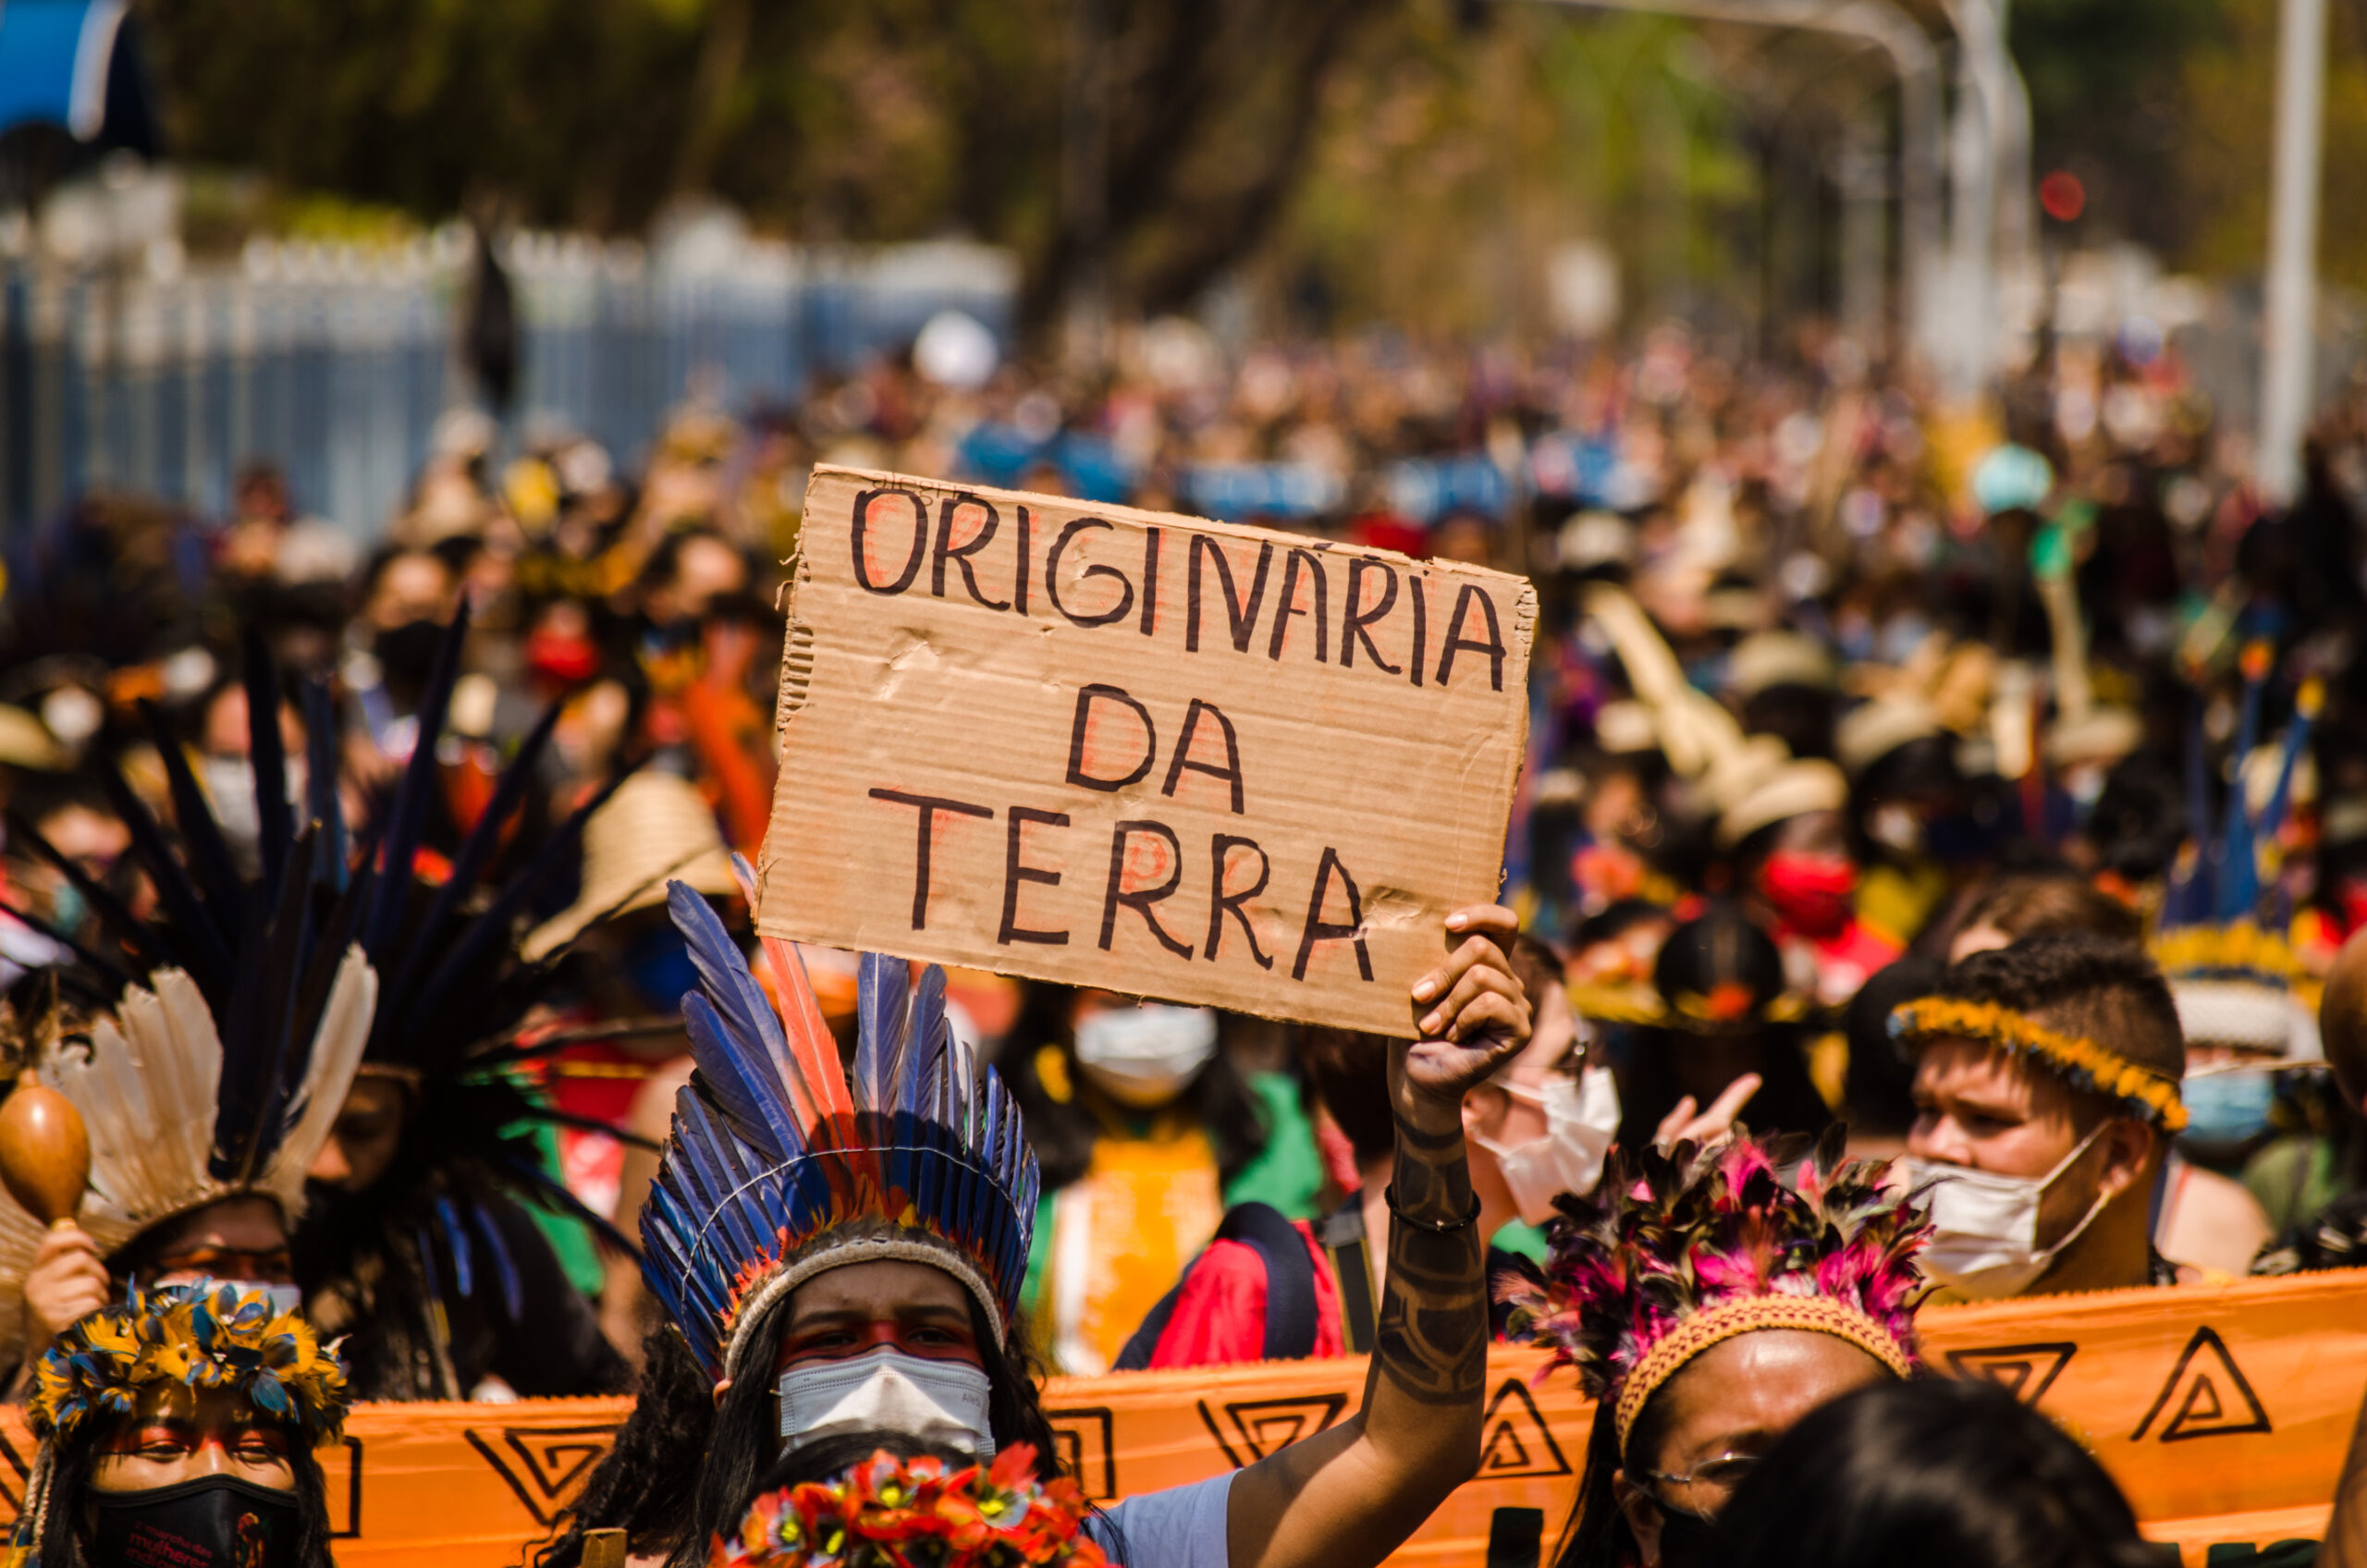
[1155, 754]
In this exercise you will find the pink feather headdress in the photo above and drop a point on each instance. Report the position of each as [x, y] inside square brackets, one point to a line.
[1677, 1251]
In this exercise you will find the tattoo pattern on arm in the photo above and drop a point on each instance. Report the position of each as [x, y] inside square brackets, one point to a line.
[1431, 1336]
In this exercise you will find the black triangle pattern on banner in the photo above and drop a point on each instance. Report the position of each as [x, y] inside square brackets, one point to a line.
[543, 1463]
[2207, 1394]
[1268, 1426]
[1083, 1439]
[2024, 1371]
[1514, 1440]
[12, 1480]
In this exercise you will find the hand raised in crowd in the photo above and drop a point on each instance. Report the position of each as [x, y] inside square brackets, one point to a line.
[1686, 1122]
[1472, 1012]
[66, 1282]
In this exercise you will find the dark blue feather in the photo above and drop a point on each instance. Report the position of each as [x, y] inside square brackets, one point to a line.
[883, 998]
[407, 818]
[268, 760]
[741, 1082]
[505, 1266]
[747, 1016]
[476, 851]
[456, 1236]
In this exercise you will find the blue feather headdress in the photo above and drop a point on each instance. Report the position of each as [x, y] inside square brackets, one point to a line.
[782, 1164]
[2220, 945]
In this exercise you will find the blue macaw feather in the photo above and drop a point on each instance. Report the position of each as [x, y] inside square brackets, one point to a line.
[742, 1084]
[883, 999]
[505, 1266]
[747, 1017]
[430, 1276]
[456, 1236]
[708, 1142]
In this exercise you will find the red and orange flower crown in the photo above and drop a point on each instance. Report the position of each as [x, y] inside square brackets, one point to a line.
[890, 1512]
[782, 1162]
[1677, 1253]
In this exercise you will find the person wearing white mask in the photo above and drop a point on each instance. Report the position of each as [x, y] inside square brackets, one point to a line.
[1270, 1289]
[2046, 1092]
[1146, 1131]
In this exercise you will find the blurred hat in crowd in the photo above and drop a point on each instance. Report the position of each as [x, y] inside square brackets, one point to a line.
[656, 828]
[25, 742]
[1623, 727]
[1718, 973]
[1593, 540]
[2011, 478]
[1872, 730]
[1792, 788]
[1768, 659]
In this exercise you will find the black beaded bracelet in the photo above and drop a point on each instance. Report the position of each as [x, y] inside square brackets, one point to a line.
[1389, 1196]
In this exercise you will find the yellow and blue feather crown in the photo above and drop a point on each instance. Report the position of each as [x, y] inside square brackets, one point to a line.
[200, 1337]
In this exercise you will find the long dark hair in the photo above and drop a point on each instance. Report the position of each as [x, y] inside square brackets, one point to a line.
[1937, 1472]
[645, 1483]
[1597, 1535]
[1063, 1129]
[65, 1536]
[746, 1441]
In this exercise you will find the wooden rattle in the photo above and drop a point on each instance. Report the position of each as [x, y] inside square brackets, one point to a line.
[44, 1153]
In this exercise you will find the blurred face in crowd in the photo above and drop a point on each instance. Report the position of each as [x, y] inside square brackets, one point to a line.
[97, 842]
[1716, 1417]
[367, 1132]
[1985, 1109]
[708, 568]
[1808, 877]
[413, 586]
[1144, 1054]
[240, 1239]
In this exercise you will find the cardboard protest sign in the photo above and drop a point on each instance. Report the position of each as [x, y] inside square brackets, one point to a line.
[1160, 756]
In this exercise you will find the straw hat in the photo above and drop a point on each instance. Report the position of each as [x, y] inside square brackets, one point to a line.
[1791, 789]
[25, 742]
[657, 828]
[1766, 659]
[1872, 730]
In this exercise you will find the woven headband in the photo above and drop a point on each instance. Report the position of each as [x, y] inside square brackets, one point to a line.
[1744, 1314]
[2084, 1063]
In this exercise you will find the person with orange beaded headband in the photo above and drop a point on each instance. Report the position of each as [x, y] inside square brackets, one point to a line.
[2047, 1080]
[1707, 1306]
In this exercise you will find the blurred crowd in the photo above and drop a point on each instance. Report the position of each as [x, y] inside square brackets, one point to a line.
[1833, 689]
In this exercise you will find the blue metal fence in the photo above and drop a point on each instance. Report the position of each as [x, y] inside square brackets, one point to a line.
[335, 362]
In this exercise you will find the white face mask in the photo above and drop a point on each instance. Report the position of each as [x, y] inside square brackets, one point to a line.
[1581, 1117]
[1984, 1241]
[885, 1390]
[1143, 1056]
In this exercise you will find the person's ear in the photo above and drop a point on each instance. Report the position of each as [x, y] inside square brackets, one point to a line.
[2128, 1145]
[1643, 1517]
[722, 1388]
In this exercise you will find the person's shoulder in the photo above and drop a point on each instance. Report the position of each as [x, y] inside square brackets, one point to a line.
[1177, 1527]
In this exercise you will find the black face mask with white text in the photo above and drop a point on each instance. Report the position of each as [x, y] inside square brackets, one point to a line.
[212, 1521]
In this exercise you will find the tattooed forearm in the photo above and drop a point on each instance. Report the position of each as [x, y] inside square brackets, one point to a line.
[1431, 1340]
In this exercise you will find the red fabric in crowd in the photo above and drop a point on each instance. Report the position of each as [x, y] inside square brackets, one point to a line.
[1219, 1316]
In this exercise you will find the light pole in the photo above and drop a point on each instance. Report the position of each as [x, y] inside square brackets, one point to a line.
[1991, 225]
[2286, 362]
[1882, 26]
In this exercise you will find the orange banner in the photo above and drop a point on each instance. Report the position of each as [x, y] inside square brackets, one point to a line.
[2223, 1412]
